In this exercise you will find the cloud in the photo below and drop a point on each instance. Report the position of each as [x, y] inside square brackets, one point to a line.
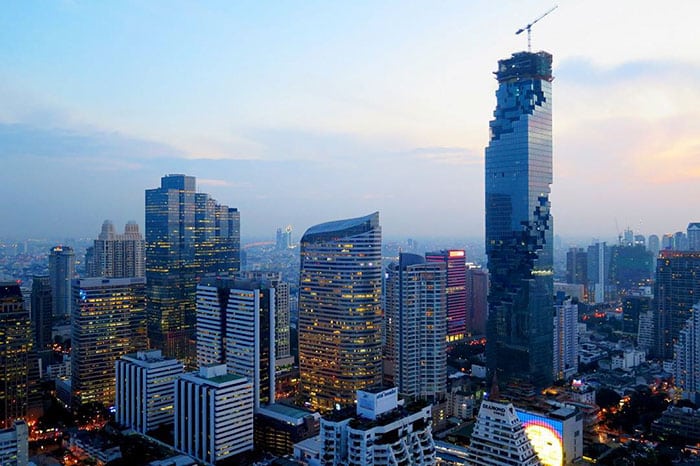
[223, 183]
[582, 71]
[448, 155]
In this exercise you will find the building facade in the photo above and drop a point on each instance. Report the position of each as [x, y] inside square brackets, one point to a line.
[15, 349]
[145, 390]
[188, 235]
[477, 300]
[236, 327]
[14, 444]
[117, 255]
[42, 316]
[108, 321]
[61, 272]
[213, 414]
[519, 225]
[415, 322]
[687, 357]
[456, 290]
[340, 315]
[565, 338]
[676, 291]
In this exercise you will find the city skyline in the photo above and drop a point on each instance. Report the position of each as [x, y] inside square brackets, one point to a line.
[279, 110]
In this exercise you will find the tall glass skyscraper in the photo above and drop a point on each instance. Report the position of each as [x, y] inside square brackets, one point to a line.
[519, 222]
[188, 235]
[340, 315]
[61, 272]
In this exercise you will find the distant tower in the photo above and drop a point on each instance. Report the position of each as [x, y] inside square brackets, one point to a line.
[654, 245]
[519, 225]
[477, 295]
[61, 272]
[694, 236]
[188, 235]
[117, 256]
[235, 326]
[415, 321]
[340, 315]
[15, 348]
[677, 290]
[108, 321]
[42, 317]
[455, 264]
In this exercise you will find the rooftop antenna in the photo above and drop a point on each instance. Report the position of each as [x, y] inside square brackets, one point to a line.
[527, 28]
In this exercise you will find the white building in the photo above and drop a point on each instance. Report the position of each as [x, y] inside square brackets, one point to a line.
[687, 360]
[14, 445]
[499, 438]
[645, 335]
[565, 339]
[236, 327]
[213, 414]
[145, 393]
[383, 432]
[628, 359]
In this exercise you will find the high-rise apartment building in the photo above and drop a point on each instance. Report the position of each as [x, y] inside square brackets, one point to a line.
[15, 348]
[519, 225]
[340, 315]
[415, 326]
[108, 321]
[236, 327]
[633, 306]
[654, 245]
[117, 255]
[145, 390]
[599, 288]
[283, 349]
[477, 299]
[687, 357]
[455, 264]
[676, 291]
[565, 338]
[213, 414]
[693, 233]
[61, 272]
[188, 235]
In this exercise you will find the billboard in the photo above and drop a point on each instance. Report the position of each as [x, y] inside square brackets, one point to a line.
[546, 436]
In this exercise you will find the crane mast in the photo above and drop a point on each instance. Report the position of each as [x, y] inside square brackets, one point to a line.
[529, 26]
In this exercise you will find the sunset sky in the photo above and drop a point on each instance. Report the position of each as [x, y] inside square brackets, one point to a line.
[299, 112]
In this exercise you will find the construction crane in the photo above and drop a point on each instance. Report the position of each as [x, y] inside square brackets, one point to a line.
[527, 28]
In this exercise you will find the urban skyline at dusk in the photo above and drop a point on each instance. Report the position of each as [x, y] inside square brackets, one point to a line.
[300, 113]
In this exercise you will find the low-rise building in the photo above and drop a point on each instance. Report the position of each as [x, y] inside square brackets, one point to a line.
[14, 445]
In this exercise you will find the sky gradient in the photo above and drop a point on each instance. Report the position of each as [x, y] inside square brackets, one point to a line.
[303, 112]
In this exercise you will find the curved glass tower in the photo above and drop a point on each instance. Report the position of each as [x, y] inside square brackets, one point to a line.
[340, 314]
[519, 222]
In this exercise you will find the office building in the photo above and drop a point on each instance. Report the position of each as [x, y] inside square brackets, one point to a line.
[519, 225]
[117, 255]
[381, 432]
[634, 305]
[145, 390]
[693, 234]
[499, 438]
[61, 272]
[15, 348]
[213, 414]
[284, 238]
[236, 327]
[14, 444]
[41, 311]
[676, 291]
[599, 287]
[577, 266]
[283, 349]
[415, 325]
[630, 268]
[279, 426]
[108, 321]
[340, 315]
[654, 245]
[565, 338]
[687, 357]
[477, 296]
[455, 264]
[680, 241]
[646, 334]
[188, 236]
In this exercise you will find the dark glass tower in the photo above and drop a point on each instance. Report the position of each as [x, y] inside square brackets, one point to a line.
[519, 222]
[188, 236]
[340, 314]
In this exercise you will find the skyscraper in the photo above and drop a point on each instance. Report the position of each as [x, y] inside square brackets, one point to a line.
[477, 295]
[456, 290]
[577, 266]
[677, 290]
[188, 235]
[236, 327]
[15, 347]
[42, 317]
[565, 338]
[61, 272]
[108, 321]
[687, 357]
[340, 315]
[117, 255]
[415, 321]
[693, 233]
[518, 221]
